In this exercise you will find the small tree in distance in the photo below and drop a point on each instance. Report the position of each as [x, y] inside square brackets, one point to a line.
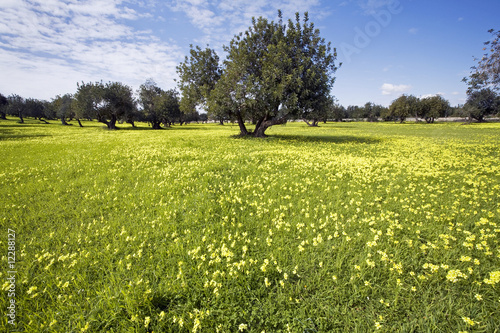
[433, 107]
[3, 106]
[403, 107]
[107, 103]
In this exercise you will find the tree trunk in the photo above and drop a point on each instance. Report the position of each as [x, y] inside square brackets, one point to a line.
[241, 124]
[63, 121]
[3, 115]
[313, 124]
[79, 122]
[259, 131]
[221, 121]
[21, 118]
[156, 125]
[112, 123]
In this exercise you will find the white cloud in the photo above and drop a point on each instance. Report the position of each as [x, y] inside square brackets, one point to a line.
[389, 89]
[432, 95]
[413, 31]
[221, 20]
[46, 46]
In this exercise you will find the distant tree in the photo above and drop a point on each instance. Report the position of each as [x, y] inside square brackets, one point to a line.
[433, 107]
[386, 114]
[63, 107]
[487, 72]
[107, 103]
[151, 101]
[191, 117]
[3, 106]
[35, 108]
[49, 110]
[89, 100]
[403, 107]
[372, 111]
[481, 103]
[119, 103]
[354, 112]
[171, 105]
[203, 117]
[456, 111]
[16, 107]
[336, 112]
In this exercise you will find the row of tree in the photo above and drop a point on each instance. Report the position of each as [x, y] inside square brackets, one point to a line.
[113, 102]
[480, 104]
[107, 103]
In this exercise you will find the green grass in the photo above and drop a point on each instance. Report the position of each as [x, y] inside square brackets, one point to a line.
[345, 227]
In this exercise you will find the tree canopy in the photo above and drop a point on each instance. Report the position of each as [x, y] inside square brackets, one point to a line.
[487, 72]
[107, 103]
[403, 107]
[158, 106]
[273, 72]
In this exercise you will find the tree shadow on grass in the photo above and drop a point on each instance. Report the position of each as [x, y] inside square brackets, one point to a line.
[163, 128]
[15, 135]
[334, 139]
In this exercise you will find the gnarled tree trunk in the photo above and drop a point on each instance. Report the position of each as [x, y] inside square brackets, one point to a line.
[241, 124]
[314, 122]
[259, 131]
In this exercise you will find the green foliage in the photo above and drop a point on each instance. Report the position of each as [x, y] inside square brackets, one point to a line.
[3, 106]
[403, 107]
[198, 75]
[273, 72]
[336, 112]
[433, 107]
[345, 227]
[481, 103]
[16, 106]
[487, 72]
[107, 103]
[64, 107]
[158, 106]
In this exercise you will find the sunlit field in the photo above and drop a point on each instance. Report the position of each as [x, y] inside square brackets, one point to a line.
[348, 227]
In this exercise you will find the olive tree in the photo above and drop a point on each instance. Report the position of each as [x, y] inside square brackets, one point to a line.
[273, 72]
[403, 107]
[107, 103]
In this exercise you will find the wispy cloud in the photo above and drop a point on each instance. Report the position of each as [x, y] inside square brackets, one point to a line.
[220, 20]
[413, 31]
[389, 89]
[76, 40]
[432, 95]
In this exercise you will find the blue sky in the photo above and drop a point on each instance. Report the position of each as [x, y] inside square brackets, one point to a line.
[387, 47]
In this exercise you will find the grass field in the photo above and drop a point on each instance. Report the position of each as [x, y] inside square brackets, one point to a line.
[349, 227]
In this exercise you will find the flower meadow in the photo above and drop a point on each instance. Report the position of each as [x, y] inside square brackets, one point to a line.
[353, 227]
